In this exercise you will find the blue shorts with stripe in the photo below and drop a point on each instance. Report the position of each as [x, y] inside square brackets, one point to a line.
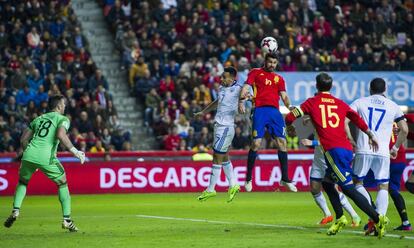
[270, 119]
[396, 171]
[339, 165]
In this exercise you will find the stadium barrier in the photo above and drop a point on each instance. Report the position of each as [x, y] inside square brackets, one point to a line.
[169, 175]
[350, 86]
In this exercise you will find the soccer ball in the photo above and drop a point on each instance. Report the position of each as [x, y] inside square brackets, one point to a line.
[269, 45]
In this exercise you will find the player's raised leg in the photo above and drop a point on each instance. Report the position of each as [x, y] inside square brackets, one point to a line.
[25, 173]
[251, 159]
[228, 171]
[283, 160]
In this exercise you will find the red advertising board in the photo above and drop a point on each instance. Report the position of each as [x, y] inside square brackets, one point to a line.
[160, 176]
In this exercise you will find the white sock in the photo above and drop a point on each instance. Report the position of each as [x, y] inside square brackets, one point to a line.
[346, 205]
[228, 171]
[382, 201]
[215, 175]
[321, 202]
[361, 189]
[406, 222]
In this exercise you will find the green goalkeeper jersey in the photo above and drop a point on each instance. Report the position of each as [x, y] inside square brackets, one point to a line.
[42, 147]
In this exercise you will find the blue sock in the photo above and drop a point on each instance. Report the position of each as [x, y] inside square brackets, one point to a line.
[251, 158]
[283, 159]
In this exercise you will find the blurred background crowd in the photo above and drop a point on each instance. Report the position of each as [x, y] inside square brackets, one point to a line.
[43, 53]
[175, 51]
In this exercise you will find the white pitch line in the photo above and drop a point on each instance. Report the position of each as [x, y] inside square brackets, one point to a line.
[256, 224]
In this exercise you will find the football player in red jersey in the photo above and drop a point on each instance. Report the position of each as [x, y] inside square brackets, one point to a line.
[328, 115]
[268, 87]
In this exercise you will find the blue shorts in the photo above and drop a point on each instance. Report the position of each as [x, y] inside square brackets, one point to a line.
[269, 118]
[396, 171]
[339, 165]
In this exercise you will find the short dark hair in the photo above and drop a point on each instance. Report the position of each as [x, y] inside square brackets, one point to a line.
[54, 101]
[323, 82]
[231, 70]
[272, 55]
[377, 86]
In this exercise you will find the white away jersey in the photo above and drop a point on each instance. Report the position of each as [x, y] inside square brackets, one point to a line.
[228, 102]
[379, 113]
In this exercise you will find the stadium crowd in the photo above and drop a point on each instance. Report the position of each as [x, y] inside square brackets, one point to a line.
[175, 51]
[43, 53]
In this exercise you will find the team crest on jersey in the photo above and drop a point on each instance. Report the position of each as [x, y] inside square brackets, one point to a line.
[276, 79]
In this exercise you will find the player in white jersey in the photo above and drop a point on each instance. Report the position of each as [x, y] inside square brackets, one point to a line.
[226, 104]
[317, 175]
[380, 113]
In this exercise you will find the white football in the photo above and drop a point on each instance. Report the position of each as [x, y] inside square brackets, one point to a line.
[269, 45]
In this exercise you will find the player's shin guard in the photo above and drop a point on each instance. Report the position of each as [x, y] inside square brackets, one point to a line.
[64, 198]
[333, 198]
[399, 204]
[410, 187]
[251, 159]
[360, 201]
[283, 159]
[19, 195]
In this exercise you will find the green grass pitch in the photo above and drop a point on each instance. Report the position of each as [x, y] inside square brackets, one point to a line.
[177, 220]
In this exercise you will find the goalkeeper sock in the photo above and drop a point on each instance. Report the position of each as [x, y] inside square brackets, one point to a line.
[347, 206]
[321, 202]
[215, 175]
[333, 198]
[19, 195]
[251, 158]
[283, 159]
[228, 171]
[64, 198]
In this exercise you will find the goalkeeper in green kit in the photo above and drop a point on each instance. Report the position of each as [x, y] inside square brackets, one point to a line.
[40, 141]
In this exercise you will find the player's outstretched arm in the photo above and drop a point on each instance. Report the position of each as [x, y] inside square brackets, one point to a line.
[64, 139]
[285, 99]
[402, 136]
[208, 108]
[245, 92]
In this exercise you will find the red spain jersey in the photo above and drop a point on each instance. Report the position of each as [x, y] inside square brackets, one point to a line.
[401, 152]
[328, 115]
[266, 87]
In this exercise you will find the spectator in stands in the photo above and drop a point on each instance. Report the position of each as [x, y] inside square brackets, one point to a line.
[98, 79]
[152, 101]
[25, 95]
[97, 147]
[172, 140]
[84, 125]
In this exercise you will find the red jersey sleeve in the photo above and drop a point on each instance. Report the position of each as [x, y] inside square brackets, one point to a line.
[282, 84]
[306, 107]
[356, 119]
[251, 77]
[410, 118]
